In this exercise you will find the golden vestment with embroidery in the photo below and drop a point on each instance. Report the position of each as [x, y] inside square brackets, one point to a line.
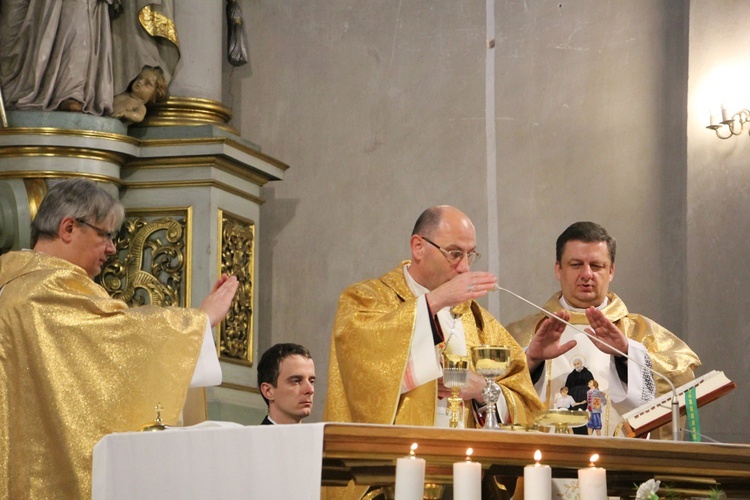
[370, 348]
[669, 354]
[76, 365]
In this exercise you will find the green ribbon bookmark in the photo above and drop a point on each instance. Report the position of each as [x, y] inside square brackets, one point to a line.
[691, 411]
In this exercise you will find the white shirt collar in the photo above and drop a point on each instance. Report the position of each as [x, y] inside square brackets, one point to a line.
[579, 310]
[416, 288]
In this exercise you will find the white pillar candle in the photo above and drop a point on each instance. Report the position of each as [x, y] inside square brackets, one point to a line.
[592, 481]
[410, 477]
[725, 114]
[714, 120]
[467, 479]
[537, 480]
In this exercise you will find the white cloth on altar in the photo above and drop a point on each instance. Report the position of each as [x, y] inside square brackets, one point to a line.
[206, 461]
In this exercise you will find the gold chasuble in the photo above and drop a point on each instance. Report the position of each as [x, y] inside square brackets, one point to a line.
[669, 354]
[75, 365]
[370, 348]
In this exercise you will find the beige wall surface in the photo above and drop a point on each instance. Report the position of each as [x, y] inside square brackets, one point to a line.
[383, 108]
[718, 224]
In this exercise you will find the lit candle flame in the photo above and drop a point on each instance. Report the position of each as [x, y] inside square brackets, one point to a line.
[594, 458]
[537, 455]
[413, 447]
[469, 452]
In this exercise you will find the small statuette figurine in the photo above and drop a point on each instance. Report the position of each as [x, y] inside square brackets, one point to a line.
[595, 400]
[158, 424]
[148, 87]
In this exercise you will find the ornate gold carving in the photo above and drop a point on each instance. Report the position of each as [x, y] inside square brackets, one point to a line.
[157, 24]
[237, 237]
[150, 264]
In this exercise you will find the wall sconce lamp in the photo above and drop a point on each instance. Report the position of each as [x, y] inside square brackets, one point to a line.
[730, 125]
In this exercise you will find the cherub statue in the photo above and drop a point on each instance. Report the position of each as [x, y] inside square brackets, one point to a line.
[150, 86]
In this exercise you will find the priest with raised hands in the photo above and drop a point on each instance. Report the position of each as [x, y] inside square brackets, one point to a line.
[388, 333]
[76, 364]
[585, 266]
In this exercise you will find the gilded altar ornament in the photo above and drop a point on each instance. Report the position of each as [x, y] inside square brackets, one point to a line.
[158, 424]
[237, 258]
[491, 361]
[150, 263]
[158, 25]
[455, 376]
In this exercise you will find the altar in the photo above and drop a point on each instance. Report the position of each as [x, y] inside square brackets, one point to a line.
[293, 461]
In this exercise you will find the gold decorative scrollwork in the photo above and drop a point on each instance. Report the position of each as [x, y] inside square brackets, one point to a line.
[149, 267]
[237, 257]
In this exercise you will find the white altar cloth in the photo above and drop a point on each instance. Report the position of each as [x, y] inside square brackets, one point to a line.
[208, 461]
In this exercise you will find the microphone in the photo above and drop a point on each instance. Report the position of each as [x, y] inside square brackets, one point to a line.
[675, 400]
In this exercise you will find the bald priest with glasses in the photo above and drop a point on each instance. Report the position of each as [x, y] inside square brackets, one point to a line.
[384, 360]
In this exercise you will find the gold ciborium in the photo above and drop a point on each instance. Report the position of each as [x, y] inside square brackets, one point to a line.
[491, 361]
[455, 376]
[561, 419]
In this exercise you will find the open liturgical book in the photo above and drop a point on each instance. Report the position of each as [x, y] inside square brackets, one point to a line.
[658, 412]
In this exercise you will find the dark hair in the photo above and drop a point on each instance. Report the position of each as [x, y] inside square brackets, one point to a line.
[79, 198]
[268, 366]
[428, 221]
[588, 232]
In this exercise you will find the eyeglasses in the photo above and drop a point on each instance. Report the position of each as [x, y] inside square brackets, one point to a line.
[454, 256]
[101, 232]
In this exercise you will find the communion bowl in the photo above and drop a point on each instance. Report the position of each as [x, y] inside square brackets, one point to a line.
[561, 419]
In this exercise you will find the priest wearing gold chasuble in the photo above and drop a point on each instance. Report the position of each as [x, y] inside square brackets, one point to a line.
[585, 266]
[76, 364]
[384, 359]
